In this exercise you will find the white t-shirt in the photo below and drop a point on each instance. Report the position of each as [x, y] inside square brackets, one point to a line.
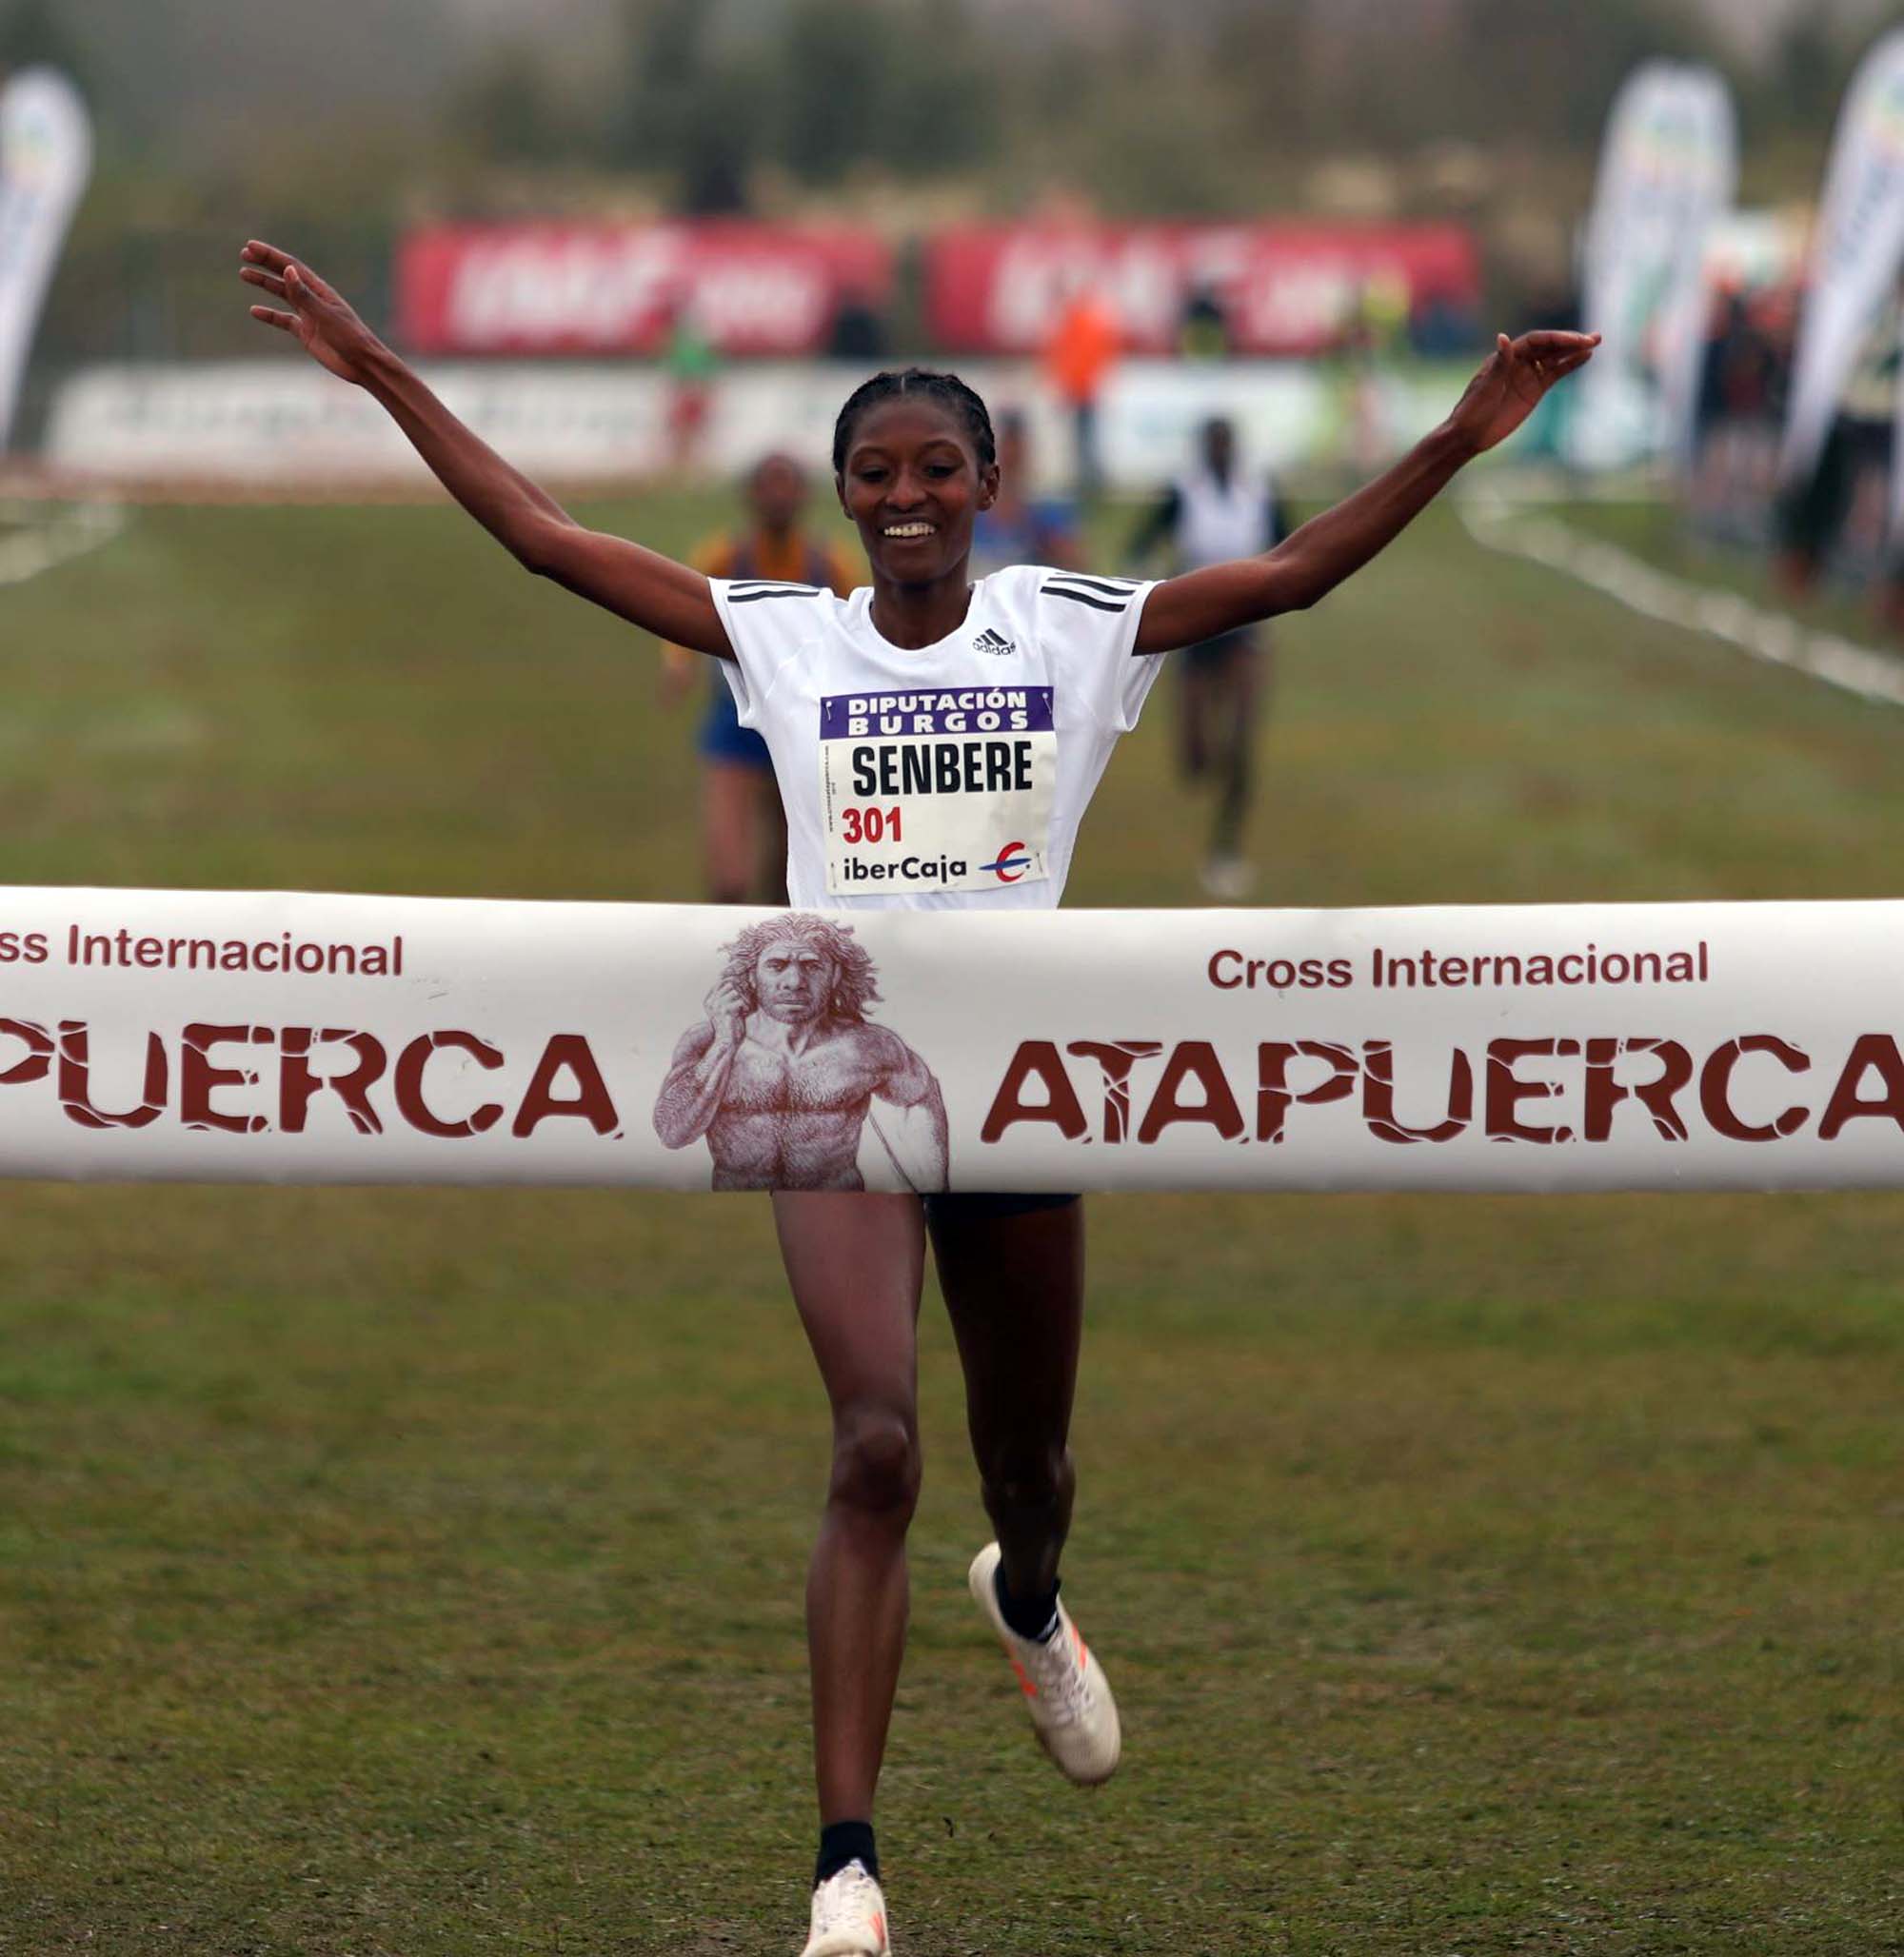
[950, 776]
[1216, 522]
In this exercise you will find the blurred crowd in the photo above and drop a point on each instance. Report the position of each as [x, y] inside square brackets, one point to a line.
[1831, 527]
[1744, 369]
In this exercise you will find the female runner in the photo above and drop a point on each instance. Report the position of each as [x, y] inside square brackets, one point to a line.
[914, 462]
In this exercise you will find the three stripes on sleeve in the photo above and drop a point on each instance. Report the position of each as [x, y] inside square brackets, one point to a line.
[1100, 594]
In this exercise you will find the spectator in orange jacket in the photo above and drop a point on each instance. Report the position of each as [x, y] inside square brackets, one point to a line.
[1077, 358]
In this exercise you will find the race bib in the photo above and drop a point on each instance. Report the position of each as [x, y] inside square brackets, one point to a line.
[937, 788]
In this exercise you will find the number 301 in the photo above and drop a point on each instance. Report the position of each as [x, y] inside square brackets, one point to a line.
[870, 825]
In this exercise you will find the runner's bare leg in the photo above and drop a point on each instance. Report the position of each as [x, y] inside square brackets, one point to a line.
[1014, 1289]
[1193, 709]
[1234, 696]
[771, 827]
[730, 798]
[856, 1263]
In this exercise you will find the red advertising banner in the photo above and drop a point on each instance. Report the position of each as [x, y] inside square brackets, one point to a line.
[533, 288]
[1294, 288]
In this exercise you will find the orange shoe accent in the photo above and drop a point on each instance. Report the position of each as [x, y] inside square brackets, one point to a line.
[1024, 1683]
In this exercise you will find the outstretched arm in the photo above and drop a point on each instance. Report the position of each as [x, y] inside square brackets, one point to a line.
[1225, 598]
[650, 590]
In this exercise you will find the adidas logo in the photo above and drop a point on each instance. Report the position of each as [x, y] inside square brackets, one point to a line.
[994, 643]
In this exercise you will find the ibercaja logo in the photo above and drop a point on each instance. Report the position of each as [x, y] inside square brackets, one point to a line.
[1009, 864]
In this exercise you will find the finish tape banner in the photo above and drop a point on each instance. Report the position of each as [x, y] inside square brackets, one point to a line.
[176, 1035]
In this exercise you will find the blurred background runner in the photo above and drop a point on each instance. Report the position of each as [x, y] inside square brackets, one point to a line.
[1020, 528]
[744, 833]
[1216, 511]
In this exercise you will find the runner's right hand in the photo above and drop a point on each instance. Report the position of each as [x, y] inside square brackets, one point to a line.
[727, 1014]
[323, 322]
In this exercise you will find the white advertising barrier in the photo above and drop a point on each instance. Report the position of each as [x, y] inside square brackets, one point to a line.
[1667, 172]
[1856, 251]
[46, 157]
[174, 1034]
[269, 421]
[274, 424]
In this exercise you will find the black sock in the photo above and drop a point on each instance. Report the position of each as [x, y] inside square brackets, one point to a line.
[842, 1842]
[1032, 1617]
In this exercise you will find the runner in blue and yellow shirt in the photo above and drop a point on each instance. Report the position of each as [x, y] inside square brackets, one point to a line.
[743, 832]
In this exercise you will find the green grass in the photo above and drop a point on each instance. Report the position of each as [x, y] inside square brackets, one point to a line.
[1655, 529]
[417, 1573]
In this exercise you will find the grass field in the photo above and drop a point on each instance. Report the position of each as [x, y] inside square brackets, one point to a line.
[417, 1573]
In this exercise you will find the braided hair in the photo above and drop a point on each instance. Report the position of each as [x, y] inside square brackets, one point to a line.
[948, 389]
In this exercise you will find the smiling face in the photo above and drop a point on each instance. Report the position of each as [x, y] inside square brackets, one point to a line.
[912, 484]
[793, 981]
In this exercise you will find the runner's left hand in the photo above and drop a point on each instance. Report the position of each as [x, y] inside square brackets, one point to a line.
[320, 319]
[1512, 383]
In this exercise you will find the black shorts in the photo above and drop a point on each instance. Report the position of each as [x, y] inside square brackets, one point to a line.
[1214, 655]
[983, 1205]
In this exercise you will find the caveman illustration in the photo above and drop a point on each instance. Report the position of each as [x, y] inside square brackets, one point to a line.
[782, 1076]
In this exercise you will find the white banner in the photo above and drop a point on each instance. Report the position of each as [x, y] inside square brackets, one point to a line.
[1711, 186]
[1667, 171]
[269, 422]
[174, 1034]
[1855, 252]
[46, 156]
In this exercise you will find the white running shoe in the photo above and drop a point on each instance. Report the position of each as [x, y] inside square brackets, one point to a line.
[1065, 1690]
[849, 1916]
[1228, 879]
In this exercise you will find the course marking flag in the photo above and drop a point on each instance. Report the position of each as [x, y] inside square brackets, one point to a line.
[46, 157]
[1667, 171]
[1856, 249]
